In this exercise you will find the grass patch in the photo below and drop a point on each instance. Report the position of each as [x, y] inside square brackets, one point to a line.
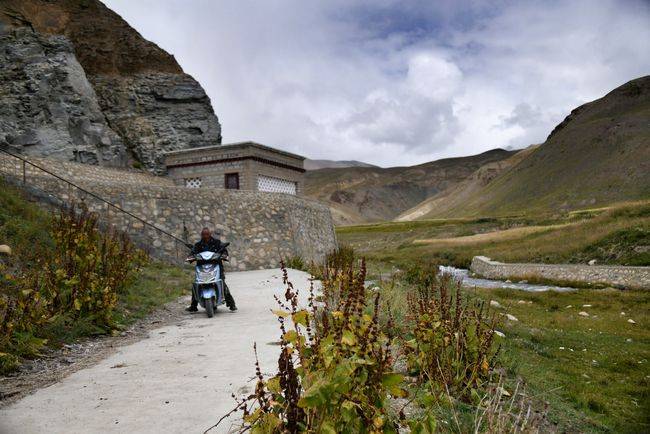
[156, 285]
[592, 370]
[619, 235]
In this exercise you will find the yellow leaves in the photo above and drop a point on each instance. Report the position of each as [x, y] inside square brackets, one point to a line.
[348, 338]
[301, 317]
[253, 416]
[281, 313]
[485, 366]
[273, 384]
[77, 304]
[392, 381]
[327, 428]
[291, 336]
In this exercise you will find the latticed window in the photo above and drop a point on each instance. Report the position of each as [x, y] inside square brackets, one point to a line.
[275, 185]
[193, 182]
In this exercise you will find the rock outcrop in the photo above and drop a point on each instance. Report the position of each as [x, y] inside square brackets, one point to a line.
[157, 112]
[121, 99]
[48, 107]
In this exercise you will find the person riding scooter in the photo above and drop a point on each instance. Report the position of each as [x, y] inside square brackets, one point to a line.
[210, 244]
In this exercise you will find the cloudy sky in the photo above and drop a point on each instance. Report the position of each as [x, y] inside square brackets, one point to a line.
[395, 82]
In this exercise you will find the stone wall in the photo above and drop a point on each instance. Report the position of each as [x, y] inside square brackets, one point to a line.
[261, 227]
[611, 275]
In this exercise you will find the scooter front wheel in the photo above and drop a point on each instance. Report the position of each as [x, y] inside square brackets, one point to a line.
[209, 308]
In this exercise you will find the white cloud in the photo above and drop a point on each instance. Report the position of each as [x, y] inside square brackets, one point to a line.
[398, 82]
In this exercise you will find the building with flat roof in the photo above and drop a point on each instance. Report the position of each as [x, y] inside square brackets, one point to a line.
[237, 166]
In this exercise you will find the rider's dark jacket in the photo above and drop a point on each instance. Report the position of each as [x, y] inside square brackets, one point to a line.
[212, 245]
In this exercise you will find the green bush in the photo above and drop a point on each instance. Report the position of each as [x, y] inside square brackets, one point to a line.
[340, 259]
[297, 263]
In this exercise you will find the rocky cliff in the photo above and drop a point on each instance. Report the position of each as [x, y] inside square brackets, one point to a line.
[81, 84]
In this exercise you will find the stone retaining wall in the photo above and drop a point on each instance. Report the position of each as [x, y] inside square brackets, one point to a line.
[611, 275]
[261, 227]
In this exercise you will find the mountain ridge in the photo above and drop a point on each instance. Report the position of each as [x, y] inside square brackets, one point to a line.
[598, 155]
[365, 194]
[317, 164]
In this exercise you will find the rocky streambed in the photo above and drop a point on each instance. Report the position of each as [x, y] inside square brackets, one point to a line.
[462, 275]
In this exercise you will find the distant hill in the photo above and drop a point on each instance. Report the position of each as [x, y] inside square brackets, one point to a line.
[366, 194]
[334, 164]
[599, 155]
[457, 195]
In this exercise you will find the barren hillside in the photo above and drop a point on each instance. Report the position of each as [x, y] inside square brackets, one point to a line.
[457, 195]
[599, 155]
[365, 194]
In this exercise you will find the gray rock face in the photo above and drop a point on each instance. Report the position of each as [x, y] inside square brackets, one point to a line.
[157, 112]
[50, 107]
[47, 105]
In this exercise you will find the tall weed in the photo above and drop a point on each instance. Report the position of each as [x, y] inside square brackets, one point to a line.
[335, 370]
[77, 278]
[452, 348]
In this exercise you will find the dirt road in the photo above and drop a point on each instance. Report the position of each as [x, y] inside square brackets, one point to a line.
[179, 380]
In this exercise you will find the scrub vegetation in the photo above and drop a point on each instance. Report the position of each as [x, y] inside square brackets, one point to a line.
[577, 353]
[453, 359]
[583, 355]
[348, 365]
[66, 279]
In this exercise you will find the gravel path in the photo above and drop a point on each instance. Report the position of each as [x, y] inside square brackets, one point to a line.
[178, 380]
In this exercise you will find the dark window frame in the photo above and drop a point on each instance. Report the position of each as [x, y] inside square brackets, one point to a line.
[229, 176]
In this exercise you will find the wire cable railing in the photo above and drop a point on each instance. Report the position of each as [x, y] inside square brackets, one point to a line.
[19, 174]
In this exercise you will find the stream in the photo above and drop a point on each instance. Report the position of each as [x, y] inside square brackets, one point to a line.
[463, 276]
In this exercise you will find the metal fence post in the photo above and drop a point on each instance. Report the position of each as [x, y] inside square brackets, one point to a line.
[24, 173]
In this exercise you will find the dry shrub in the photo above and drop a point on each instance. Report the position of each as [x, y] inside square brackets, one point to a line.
[89, 268]
[335, 365]
[500, 411]
[451, 350]
[80, 278]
